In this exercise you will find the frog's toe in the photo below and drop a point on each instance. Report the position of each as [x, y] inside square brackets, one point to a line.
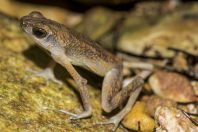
[68, 113]
[84, 114]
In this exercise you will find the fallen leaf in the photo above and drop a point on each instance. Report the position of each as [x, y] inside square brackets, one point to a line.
[172, 86]
[171, 119]
[137, 119]
[156, 101]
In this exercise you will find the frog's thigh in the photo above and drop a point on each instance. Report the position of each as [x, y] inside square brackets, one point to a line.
[113, 94]
[111, 85]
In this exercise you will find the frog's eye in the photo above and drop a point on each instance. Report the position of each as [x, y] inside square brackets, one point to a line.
[39, 32]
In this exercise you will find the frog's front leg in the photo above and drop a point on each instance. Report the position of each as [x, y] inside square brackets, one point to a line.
[82, 87]
[48, 73]
[114, 93]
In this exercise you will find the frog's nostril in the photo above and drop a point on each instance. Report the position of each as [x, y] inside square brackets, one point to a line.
[23, 23]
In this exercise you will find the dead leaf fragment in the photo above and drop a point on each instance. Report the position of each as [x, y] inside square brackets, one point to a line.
[171, 119]
[172, 86]
[138, 120]
[195, 87]
[153, 101]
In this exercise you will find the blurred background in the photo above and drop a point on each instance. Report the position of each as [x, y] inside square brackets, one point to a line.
[160, 32]
[113, 23]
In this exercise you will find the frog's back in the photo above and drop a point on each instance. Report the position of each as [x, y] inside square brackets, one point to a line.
[86, 53]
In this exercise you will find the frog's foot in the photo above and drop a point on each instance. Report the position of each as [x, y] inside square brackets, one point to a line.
[47, 74]
[84, 114]
[115, 120]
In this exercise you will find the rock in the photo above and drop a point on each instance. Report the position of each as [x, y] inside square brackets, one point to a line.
[152, 34]
[97, 22]
[19, 9]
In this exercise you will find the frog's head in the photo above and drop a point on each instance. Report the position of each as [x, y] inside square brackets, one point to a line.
[42, 30]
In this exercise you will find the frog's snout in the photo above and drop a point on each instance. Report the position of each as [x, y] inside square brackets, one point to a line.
[23, 23]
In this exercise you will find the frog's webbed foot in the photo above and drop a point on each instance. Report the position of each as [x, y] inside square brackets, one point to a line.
[47, 74]
[84, 114]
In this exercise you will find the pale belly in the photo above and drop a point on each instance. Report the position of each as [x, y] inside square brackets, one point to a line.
[98, 66]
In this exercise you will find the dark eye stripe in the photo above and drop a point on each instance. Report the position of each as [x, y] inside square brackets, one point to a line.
[39, 32]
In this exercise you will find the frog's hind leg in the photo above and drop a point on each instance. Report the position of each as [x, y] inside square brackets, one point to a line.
[48, 73]
[113, 94]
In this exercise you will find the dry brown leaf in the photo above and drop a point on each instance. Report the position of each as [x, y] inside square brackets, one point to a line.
[172, 86]
[171, 119]
[137, 119]
[156, 101]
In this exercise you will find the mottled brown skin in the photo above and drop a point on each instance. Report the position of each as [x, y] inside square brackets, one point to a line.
[69, 48]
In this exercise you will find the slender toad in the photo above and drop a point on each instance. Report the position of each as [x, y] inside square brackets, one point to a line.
[69, 48]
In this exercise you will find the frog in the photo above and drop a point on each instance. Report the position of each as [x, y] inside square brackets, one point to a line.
[69, 48]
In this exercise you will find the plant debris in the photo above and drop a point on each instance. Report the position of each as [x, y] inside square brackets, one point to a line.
[172, 86]
[137, 119]
[171, 119]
